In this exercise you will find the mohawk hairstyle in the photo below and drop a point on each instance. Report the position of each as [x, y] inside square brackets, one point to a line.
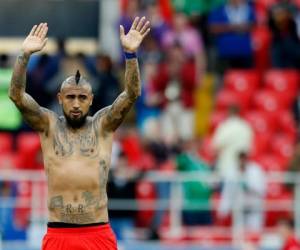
[77, 77]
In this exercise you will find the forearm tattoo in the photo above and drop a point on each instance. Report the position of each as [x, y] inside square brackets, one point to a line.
[115, 114]
[132, 78]
[33, 114]
[18, 81]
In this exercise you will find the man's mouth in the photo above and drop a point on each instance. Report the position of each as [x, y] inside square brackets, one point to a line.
[75, 113]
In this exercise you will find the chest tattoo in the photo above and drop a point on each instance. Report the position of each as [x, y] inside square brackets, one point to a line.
[66, 143]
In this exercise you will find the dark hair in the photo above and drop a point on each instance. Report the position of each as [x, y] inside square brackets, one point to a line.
[77, 77]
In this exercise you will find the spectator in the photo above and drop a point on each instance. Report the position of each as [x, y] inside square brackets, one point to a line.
[231, 137]
[254, 187]
[131, 10]
[231, 24]
[285, 40]
[196, 194]
[228, 145]
[173, 88]
[158, 25]
[10, 118]
[189, 40]
[286, 232]
[122, 186]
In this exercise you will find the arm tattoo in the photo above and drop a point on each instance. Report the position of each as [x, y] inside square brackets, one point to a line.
[18, 81]
[132, 79]
[115, 114]
[33, 114]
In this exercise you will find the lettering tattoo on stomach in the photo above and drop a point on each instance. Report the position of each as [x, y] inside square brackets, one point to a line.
[82, 213]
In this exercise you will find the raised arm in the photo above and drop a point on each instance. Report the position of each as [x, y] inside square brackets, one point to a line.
[111, 117]
[36, 116]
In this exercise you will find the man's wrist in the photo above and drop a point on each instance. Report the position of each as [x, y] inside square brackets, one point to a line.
[25, 54]
[130, 55]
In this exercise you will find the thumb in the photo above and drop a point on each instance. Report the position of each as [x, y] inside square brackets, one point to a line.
[122, 31]
[44, 42]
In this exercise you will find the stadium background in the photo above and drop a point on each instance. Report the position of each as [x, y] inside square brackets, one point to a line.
[165, 187]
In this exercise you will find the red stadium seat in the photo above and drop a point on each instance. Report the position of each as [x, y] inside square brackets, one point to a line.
[6, 142]
[268, 101]
[226, 98]
[283, 146]
[287, 124]
[260, 145]
[242, 81]
[259, 121]
[29, 149]
[284, 82]
[271, 163]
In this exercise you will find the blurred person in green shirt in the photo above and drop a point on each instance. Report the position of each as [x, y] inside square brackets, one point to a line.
[10, 118]
[196, 194]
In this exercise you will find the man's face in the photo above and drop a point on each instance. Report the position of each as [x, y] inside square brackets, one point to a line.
[76, 101]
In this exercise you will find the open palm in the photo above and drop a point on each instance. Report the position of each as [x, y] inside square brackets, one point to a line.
[138, 31]
[36, 40]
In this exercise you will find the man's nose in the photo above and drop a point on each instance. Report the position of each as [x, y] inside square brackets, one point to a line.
[76, 104]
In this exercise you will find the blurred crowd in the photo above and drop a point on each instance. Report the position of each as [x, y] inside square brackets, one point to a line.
[189, 40]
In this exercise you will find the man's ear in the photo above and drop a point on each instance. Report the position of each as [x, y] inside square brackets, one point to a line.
[92, 98]
[59, 97]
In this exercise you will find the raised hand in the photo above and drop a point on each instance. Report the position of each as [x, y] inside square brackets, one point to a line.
[132, 40]
[36, 40]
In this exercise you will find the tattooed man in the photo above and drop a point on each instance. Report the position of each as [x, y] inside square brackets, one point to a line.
[77, 147]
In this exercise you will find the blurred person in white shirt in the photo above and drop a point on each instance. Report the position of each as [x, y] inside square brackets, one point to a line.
[231, 137]
[254, 185]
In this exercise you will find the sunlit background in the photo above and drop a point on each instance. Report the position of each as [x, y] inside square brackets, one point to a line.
[209, 156]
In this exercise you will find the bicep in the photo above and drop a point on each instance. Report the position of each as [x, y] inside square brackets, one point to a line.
[36, 116]
[111, 117]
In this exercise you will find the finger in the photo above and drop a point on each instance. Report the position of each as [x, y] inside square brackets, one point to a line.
[140, 24]
[38, 29]
[146, 33]
[135, 23]
[41, 32]
[44, 31]
[122, 31]
[32, 30]
[145, 27]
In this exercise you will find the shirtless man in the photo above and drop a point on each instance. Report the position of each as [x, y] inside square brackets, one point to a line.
[77, 147]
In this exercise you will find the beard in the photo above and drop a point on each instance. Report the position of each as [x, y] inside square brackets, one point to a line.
[75, 122]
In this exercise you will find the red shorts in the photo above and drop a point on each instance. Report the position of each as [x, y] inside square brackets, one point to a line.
[83, 238]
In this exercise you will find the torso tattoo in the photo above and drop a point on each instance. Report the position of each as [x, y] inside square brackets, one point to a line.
[66, 143]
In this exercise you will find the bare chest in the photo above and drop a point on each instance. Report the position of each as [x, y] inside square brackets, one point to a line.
[84, 142]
